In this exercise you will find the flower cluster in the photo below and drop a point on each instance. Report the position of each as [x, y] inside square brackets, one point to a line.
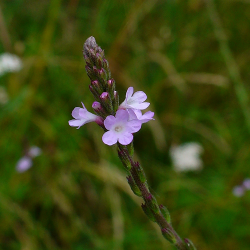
[121, 126]
[240, 190]
[25, 162]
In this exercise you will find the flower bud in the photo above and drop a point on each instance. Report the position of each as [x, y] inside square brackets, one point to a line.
[140, 172]
[151, 201]
[167, 234]
[148, 212]
[165, 213]
[125, 159]
[94, 92]
[116, 101]
[97, 86]
[111, 88]
[99, 120]
[106, 101]
[99, 109]
[189, 244]
[90, 73]
[133, 186]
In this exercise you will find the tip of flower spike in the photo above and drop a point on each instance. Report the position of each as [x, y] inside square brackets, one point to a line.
[90, 43]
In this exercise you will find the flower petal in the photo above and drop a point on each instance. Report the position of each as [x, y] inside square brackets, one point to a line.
[139, 96]
[129, 92]
[109, 138]
[125, 138]
[75, 113]
[140, 106]
[109, 122]
[122, 115]
[76, 123]
[133, 126]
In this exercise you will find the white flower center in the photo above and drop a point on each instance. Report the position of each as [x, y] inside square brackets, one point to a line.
[118, 128]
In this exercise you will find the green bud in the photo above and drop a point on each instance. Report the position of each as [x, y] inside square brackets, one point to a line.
[165, 213]
[133, 186]
[148, 212]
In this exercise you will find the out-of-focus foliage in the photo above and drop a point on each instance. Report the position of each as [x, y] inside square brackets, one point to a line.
[191, 58]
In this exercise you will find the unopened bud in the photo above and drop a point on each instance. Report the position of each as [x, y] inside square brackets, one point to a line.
[140, 172]
[94, 92]
[165, 213]
[99, 120]
[111, 88]
[116, 101]
[106, 101]
[125, 158]
[168, 234]
[99, 109]
[133, 186]
[152, 203]
[190, 244]
[148, 212]
[97, 86]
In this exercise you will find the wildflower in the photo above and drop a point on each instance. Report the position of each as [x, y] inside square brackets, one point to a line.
[134, 101]
[9, 63]
[246, 184]
[82, 116]
[238, 191]
[186, 157]
[137, 114]
[23, 164]
[120, 128]
[26, 161]
[34, 151]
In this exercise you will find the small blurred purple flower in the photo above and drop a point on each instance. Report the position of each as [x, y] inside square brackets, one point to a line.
[34, 151]
[137, 114]
[82, 116]
[23, 164]
[238, 191]
[246, 184]
[26, 161]
[134, 101]
[120, 128]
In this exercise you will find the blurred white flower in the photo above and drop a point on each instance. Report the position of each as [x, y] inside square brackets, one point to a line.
[186, 157]
[9, 63]
[3, 96]
[26, 161]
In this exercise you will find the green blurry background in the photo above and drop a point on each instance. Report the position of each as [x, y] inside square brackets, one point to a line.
[191, 57]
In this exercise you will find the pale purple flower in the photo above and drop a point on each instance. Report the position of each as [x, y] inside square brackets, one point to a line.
[83, 116]
[26, 161]
[23, 164]
[120, 128]
[137, 114]
[34, 151]
[134, 101]
[246, 184]
[238, 191]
